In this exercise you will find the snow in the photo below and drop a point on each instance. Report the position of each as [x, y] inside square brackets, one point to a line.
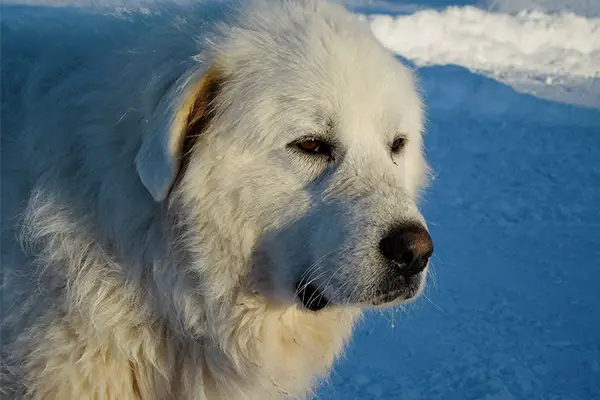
[533, 42]
[524, 50]
[512, 311]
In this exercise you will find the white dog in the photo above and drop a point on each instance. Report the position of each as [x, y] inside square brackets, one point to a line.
[195, 211]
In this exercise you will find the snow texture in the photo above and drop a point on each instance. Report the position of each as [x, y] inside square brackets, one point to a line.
[529, 44]
[512, 310]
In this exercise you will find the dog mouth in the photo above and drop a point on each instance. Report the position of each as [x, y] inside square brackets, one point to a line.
[311, 297]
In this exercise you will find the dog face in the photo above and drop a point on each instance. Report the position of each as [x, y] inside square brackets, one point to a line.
[308, 155]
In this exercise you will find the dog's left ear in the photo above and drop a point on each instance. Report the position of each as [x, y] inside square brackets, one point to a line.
[181, 116]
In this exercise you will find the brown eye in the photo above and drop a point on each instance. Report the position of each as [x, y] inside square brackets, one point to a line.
[314, 146]
[398, 144]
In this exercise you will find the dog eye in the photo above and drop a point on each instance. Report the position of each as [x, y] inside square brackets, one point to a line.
[315, 147]
[398, 144]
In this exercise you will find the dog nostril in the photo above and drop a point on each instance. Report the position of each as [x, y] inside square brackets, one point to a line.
[410, 247]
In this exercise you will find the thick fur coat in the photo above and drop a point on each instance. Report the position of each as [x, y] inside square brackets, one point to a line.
[165, 201]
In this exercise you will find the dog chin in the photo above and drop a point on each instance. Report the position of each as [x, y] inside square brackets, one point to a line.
[314, 300]
[393, 299]
[399, 297]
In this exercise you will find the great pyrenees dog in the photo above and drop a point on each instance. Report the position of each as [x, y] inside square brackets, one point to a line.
[199, 204]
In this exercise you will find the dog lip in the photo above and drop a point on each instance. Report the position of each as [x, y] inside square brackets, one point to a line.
[311, 297]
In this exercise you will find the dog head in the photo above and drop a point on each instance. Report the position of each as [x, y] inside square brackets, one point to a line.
[298, 153]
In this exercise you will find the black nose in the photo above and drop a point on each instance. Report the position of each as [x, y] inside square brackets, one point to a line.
[409, 247]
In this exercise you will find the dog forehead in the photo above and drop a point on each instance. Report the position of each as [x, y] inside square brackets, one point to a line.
[319, 65]
[354, 100]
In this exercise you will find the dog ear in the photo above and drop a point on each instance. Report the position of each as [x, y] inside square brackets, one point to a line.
[172, 129]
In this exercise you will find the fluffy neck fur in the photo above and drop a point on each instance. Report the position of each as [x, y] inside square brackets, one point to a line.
[123, 333]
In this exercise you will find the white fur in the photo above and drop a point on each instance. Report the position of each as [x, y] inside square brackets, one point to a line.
[128, 277]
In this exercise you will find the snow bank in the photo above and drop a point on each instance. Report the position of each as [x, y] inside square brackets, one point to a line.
[497, 44]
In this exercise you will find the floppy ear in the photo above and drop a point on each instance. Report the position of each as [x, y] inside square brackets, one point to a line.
[180, 117]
